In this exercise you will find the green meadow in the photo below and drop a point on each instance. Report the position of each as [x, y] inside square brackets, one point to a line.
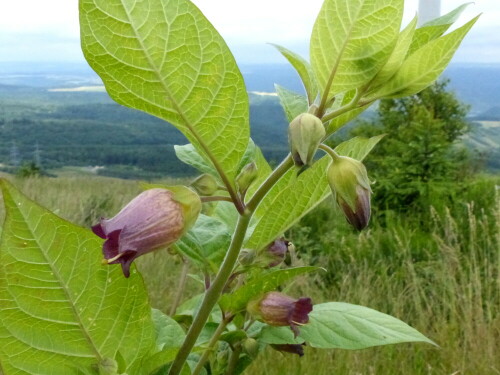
[438, 270]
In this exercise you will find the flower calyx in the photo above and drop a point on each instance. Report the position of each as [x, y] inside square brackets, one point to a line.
[305, 134]
[350, 185]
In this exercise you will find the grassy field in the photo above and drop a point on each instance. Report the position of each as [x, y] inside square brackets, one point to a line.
[442, 276]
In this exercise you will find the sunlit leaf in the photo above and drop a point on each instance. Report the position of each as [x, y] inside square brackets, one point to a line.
[293, 104]
[435, 28]
[61, 309]
[424, 66]
[352, 40]
[304, 70]
[345, 326]
[165, 58]
[358, 147]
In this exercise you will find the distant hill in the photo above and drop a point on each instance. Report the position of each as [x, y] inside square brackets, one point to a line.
[81, 128]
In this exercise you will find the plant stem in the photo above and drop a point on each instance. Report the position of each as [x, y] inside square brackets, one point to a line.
[233, 360]
[285, 165]
[329, 151]
[215, 198]
[211, 345]
[182, 285]
[212, 294]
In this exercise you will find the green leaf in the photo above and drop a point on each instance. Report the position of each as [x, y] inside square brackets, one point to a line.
[278, 335]
[341, 100]
[206, 243]
[168, 332]
[62, 310]
[287, 201]
[397, 56]
[238, 299]
[293, 104]
[352, 40]
[419, 71]
[345, 326]
[165, 58]
[358, 147]
[190, 156]
[435, 28]
[304, 70]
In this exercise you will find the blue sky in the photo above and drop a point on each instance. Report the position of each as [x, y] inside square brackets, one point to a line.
[35, 30]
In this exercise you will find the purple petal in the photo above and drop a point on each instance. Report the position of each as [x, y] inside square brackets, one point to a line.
[97, 229]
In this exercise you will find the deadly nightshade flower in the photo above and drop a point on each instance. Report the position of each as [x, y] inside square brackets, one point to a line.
[154, 219]
[290, 348]
[350, 185]
[305, 133]
[278, 309]
[205, 185]
[276, 251]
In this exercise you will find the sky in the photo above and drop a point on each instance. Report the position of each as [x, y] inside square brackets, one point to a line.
[48, 31]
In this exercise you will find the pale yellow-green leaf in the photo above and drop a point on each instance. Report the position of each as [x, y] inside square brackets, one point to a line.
[435, 28]
[293, 104]
[304, 70]
[397, 56]
[424, 66]
[165, 58]
[352, 40]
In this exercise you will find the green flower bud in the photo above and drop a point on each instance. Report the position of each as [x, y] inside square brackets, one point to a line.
[247, 257]
[305, 133]
[350, 185]
[205, 185]
[251, 347]
[246, 177]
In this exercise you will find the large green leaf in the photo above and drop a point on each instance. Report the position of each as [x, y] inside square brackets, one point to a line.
[287, 201]
[237, 300]
[358, 147]
[304, 70]
[345, 326]
[435, 28]
[165, 58]
[206, 243]
[424, 66]
[397, 56]
[62, 311]
[352, 40]
[293, 104]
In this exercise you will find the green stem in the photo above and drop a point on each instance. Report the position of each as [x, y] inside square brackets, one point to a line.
[233, 360]
[329, 151]
[182, 285]
[215, 198]
[285, 165]
[212, 294]
[211, 345]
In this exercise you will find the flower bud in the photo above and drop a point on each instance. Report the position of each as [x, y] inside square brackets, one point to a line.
[251, 347]
[246, 177]
[305, 133]
[276, 251]
[246, 257]
[278, 309]
[290, 348]
[154, 219]
[205, 185]
[350, 185]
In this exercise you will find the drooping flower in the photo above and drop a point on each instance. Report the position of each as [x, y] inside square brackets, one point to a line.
[290, 348]
[154, 219]
[350, 185]
[305, 133]
[276, 251]
[278, 309]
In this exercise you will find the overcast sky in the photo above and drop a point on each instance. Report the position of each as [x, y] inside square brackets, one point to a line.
[47, 30]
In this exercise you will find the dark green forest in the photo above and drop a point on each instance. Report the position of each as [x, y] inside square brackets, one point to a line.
[52, 130]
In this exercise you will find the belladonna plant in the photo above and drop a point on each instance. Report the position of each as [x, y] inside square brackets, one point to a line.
[164, 57]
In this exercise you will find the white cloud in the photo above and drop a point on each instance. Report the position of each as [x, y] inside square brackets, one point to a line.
[48, 29]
